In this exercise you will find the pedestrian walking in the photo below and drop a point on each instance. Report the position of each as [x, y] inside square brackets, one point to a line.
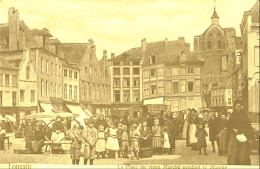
[241, 137]
[201, 135]
[90, 139]
[75, 135]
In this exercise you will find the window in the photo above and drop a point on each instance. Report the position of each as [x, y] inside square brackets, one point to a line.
[153, 72]
[116, 71]
[14, 80]
[75, 75]
[126, 61]
[42, 88]
[175, 87]
[190, 86]
[126, 96]
[183, 86]
[1, 79]
[197, 85]
[51, 68]
[126, 71]
[229, 101]
[209, 44]
[256, 55]
[32, 96]
[136, 71]
[90, 70]
[65, 91]
[153, 89]
[175, 71]
[27, 72]
[145, 74]
[136, 62]
[65, 73]
[75, 93]
[70, 92]
[136, 82]
[153, 59]
[126, 82]
[14, 98]
[182, 70]
[7, 82]
[117, 96]
[116, 63]
[47, 67]
[42, 65]
[1, 98]
[160, 87]
[190, 70]
[219, 44]
[70, 74]
[136, 95]
[47, 89]
[22, 95]
[116, 82]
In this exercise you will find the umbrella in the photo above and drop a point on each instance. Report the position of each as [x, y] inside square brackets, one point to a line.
[2, 119]
[10, 118]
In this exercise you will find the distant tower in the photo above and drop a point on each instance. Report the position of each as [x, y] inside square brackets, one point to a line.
[13, 16]
[215, 18]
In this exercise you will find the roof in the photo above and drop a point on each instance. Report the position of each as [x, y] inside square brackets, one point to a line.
[4, 29]
[166, 52]
[5, 64]
[44, 32]
[52, 41]
[133, 54]
[214, 15]
[73, 52]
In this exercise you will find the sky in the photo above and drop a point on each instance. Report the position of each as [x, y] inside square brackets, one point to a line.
[119, 25]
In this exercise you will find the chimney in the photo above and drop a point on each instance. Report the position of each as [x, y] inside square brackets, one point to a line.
[112, 55]
[13, 16]
[181, 39]
[143, 45]
[166, 42]
[104, 54]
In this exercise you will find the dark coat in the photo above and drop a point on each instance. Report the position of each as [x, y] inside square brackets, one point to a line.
[201, 134]
[213, 129]
[239, 153]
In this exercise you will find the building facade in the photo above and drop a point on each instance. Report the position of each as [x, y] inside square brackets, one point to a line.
[171, 76]
[250, 61]
[126, 83]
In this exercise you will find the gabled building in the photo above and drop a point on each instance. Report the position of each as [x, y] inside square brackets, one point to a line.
[218, 45]
[171, 76]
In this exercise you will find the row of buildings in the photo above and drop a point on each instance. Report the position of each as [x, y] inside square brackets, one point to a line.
[39, 73]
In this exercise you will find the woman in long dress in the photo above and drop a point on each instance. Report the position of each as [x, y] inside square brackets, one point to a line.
[223, 135]
[239, 152]
[112, 144]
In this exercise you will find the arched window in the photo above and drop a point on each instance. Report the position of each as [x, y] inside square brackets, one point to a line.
[209, 44]
[219, 44]
[27, 72]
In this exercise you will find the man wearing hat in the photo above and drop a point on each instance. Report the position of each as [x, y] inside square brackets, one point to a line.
[90, 139]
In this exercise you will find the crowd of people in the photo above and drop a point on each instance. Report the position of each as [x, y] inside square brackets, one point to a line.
[106, 137]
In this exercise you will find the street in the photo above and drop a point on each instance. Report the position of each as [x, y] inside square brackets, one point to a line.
[182, 155]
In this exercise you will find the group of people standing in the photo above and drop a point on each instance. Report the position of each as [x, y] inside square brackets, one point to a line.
[223, 129]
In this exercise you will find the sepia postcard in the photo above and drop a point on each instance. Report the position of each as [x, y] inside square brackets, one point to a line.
[129, 84]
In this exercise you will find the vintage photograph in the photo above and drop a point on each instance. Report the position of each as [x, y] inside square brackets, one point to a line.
[129, 83]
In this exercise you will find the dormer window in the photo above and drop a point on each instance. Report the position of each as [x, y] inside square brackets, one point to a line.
[153, 59]
[209, 44]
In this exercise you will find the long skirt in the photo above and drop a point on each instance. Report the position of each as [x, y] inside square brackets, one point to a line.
[37, 146]
[184, 130]
[101, 145]
[223, 141]
[157, 142]
[112, 144]
[201, 143]
[89, 152]
[238, 153]
[192, 131]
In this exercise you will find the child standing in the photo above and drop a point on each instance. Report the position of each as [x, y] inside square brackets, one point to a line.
[201, 133]
[101, 142]
[166, 142]
[125, 144]
[90, 138]
[157, 137]
[135, 135]
[112, 144]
